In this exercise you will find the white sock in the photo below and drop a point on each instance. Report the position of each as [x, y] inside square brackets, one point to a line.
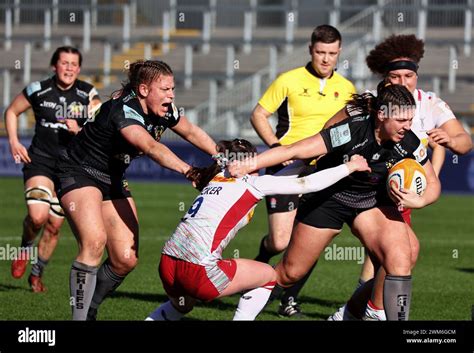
[373, 314]
[252, 302]
[165, 312]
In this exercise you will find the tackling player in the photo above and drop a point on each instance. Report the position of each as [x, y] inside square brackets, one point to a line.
[191, 265]
[93, 188]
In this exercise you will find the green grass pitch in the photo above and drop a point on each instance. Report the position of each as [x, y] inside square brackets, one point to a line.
[442, 286]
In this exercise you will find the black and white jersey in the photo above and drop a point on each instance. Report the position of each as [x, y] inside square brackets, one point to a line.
[355, 135]
[51, 106]
[101, 150]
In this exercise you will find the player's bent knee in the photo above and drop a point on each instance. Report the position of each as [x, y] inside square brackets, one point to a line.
[52, 229]
[288, 276]
[125, 265]
[37, 219]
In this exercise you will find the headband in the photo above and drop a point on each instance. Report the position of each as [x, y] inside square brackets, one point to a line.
[400, 65]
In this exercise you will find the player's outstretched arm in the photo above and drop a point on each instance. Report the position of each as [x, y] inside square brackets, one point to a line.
[288, 185]
[139, 137]
[195, 135]
[309, 147]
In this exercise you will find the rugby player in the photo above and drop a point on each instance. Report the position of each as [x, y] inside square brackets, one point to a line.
[379, 130]
[191, 266]
[61, 105]
[93, 188]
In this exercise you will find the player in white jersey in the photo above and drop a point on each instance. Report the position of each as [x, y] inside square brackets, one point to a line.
[191, 265]
[396, 59]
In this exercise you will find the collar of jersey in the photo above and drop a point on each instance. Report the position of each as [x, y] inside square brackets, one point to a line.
[309, 67]
[55, 84]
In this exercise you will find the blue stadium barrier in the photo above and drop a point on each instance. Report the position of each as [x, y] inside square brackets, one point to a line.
[457, 175]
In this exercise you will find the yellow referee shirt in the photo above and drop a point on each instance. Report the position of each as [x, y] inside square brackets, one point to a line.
[305, 102]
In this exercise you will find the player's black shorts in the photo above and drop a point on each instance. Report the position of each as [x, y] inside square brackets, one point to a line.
[40, 166]
[325, 212]
[280, 203]
[71, 179]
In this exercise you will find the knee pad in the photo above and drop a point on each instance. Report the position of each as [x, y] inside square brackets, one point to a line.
[38, 194]
[55, 208]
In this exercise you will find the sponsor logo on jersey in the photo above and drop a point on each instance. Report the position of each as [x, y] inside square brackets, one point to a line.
[390, 163]
[46, 104]
[81, 93]
[155, 131]
[336, 95]
[44, 91]
[340, 135]
[62, 99]
[304, 93]
[420, 153]
[47, 124]
[360, 118]
[361, 144]
[398, 148]
[376, 157]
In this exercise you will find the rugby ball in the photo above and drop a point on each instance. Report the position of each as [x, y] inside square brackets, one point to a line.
[407, 174]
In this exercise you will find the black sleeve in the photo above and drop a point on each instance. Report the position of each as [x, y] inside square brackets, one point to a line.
[123, 116]
[30, 90]
[172, 115]
[342, 135]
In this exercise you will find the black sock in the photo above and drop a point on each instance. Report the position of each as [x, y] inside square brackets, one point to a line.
[38, 268]
[107, 282]
[264, 255]
[358, 301]
[293, 291]
[276, 293]
[27, 243]
[81, 285]
[397, 297]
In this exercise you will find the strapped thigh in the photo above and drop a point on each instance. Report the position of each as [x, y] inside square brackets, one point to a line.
[38, 194]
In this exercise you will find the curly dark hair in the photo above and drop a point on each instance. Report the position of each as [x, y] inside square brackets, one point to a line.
[387, 94]
[393, 47]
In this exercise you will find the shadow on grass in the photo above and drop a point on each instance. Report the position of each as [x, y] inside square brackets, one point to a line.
[307, 315]
[467, 270]
[161, 298]
[7, 287]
